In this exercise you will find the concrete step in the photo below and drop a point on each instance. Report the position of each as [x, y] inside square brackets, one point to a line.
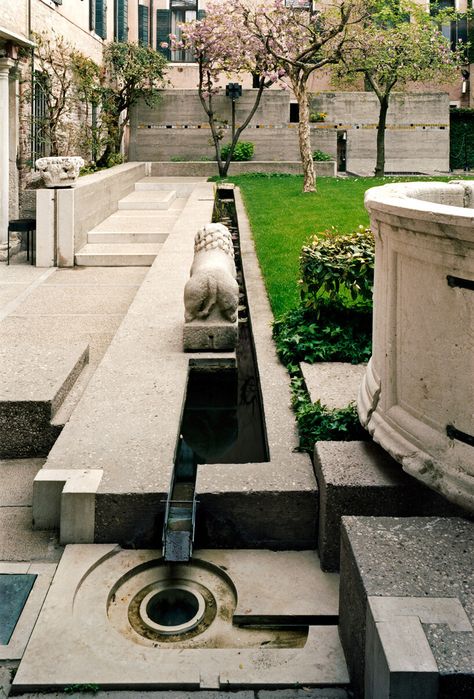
[34, 383]
[117, 254]
[142, 200]
[65, 411]
[183, 186]
[129, 237]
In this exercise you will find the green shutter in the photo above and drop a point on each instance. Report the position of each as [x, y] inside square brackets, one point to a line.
[101, 18]
[121, 20]
[92, 15]
[143, 25]
[163, 29]
[201, 14]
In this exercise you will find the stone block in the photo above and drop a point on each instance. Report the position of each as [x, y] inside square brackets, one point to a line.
[210, 335]
[411, 557]
[335, 384]
[35, 380]
[360, 478]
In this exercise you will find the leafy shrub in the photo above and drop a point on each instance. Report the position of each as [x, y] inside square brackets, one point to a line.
[317, 116]
[331, 262]
[333, 334]
[320, 155]
[317, 423]
[243, 151]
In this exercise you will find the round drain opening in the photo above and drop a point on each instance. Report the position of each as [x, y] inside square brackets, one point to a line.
[173, 610]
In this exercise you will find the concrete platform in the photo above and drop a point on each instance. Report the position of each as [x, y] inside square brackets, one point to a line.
[34, 381]
[153, 200]
[334, 384]
[360, 478]
[132, 454]
[89, 633]
[117, 254]
[421, 558]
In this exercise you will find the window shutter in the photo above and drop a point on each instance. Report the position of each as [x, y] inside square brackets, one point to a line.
[121, 20]
[143, 25]
[201, 14]
[92, 15]
[101, 18]
[163, 29]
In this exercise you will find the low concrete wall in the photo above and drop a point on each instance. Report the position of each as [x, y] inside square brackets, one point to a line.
[96, 196]
[417, 135]
[195, 168]
[65, 216]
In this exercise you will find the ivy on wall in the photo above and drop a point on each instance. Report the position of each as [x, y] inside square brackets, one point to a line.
[461, 139]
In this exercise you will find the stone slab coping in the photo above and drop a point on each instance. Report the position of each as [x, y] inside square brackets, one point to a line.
[39, 372]
[334, 384]
[71, 646]
[44, 572]
[145, 371]
[421, 567]
[360, 478]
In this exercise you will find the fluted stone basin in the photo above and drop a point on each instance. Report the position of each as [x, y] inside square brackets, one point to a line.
[417, 396]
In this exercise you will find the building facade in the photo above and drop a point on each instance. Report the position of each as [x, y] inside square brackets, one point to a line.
[87, 25]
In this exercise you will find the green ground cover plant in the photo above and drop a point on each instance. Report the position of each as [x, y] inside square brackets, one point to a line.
[283, 218]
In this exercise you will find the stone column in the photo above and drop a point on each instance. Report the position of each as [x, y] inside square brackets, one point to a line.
[5, 65]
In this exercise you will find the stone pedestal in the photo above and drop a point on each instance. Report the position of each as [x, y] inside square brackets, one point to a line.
[418, 393]
[5, 65]
[60, 171]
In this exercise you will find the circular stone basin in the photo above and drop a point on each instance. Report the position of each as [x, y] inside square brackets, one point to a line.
[173, 610]
[417, 396]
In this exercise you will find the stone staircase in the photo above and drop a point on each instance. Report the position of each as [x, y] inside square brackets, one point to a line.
[134, 234]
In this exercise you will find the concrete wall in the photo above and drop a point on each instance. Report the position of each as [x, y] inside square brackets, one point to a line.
[96, 197]
[203, 169]
[417, 136]
[178, 127]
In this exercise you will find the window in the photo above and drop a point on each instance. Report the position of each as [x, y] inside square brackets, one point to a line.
[168, 21]
[439, 5]
[120, 20]
[39, 132]
[143, 25]
[98, 17]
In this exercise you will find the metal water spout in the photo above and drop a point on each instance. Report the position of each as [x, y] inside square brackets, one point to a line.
[180, 514]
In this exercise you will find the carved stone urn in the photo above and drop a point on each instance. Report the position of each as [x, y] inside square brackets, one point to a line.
[417, 397]
[60, 171]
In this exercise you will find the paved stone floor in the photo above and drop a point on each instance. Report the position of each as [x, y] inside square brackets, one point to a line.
[40, 306]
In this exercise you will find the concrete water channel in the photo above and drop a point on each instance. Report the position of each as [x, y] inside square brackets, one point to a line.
[251, 608]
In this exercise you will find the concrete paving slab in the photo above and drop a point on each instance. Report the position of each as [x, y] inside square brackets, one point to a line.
[25, 544]
[16, 477]
[61, 299]
[304, 693]
[427, 557]
[19, 273]
[41, 575]
[308, 593]
[147, 200]
[85, 634]
[334, 384]
[39, 373]
[102, 276]
[8, 292]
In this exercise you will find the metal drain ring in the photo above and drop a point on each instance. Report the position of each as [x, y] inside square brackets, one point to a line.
[166, 629]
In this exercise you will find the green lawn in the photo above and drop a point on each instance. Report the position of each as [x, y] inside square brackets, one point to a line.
[283, 218]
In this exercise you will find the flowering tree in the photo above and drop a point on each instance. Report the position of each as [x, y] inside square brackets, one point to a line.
[301, 41]
[397, 46]
[130, 72]
[222, 45]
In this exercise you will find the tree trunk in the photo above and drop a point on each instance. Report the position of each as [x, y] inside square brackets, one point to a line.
[380, 164]
[304, 134]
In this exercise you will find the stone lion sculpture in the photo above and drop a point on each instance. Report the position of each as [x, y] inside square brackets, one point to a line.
[213, 276]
